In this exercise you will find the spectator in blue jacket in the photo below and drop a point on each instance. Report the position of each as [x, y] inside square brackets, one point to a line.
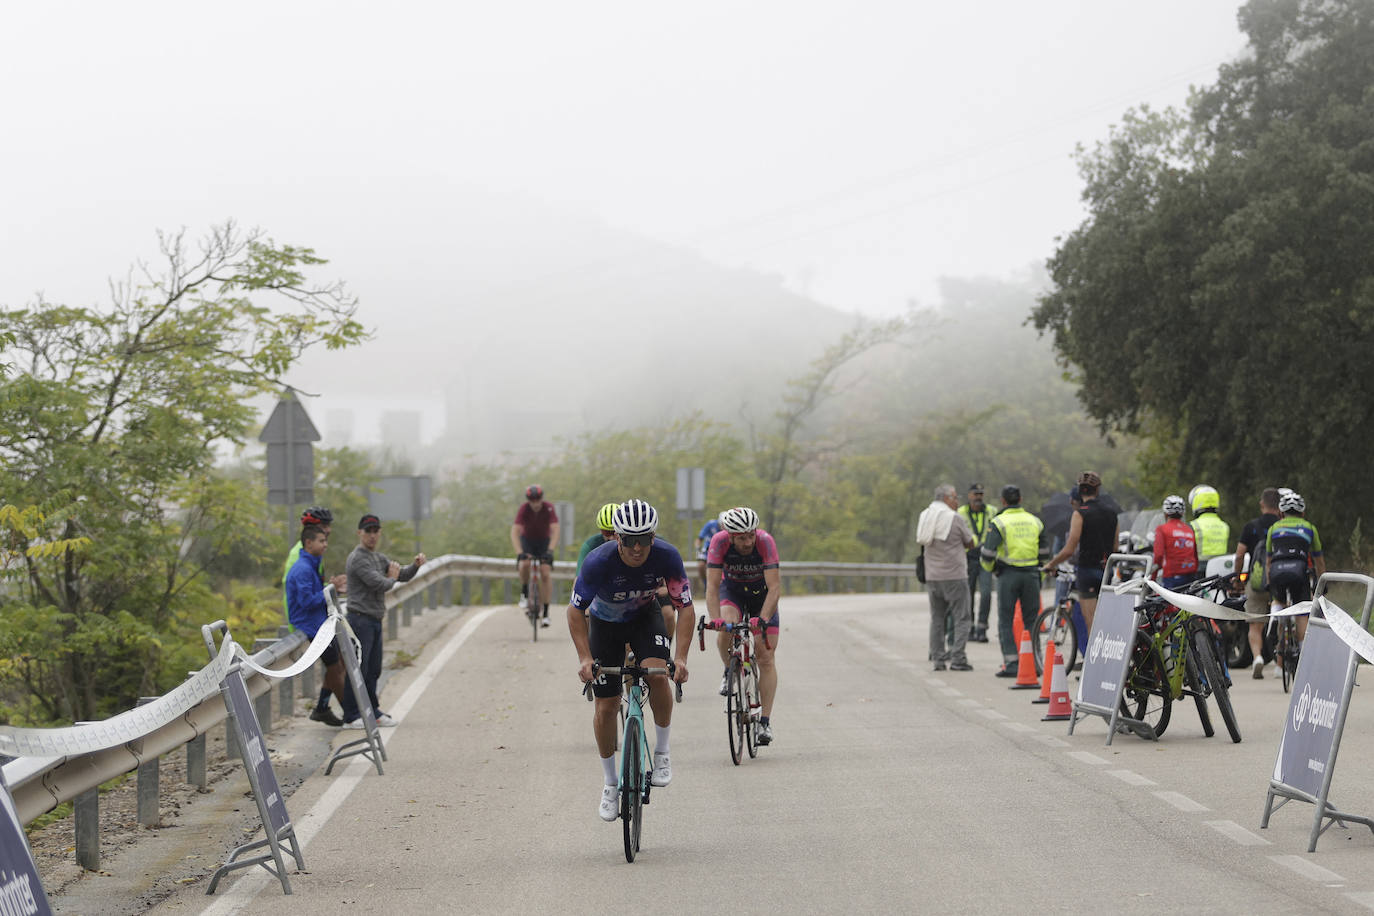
[307, 609]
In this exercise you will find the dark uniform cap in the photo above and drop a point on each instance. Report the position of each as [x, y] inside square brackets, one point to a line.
[975, 488]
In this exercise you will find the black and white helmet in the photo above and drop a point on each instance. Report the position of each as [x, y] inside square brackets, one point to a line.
[739, 520]
[1292, 502]
[1174, 506]
[635, 516]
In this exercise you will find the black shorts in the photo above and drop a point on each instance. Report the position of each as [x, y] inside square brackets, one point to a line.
[607, 639]
[1288, 581]
[330, 654]
[537, 547]
[1088, 581]
[749, 602]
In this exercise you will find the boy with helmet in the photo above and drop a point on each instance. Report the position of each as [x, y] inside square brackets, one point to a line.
[617, 588]
[1175, 551]
[1212, 533]
[742, 581]
[321, 518]
[1290, 543]
[535, 528]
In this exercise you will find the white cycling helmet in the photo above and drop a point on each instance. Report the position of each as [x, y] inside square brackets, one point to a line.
[739, 520]
[1174, 506]
[1292, 502]
[635, 516]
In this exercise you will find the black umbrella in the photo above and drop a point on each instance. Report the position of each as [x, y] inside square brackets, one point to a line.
[1056, 514]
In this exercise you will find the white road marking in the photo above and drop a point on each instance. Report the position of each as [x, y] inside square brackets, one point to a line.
[1181, 801]
[1307, 868]
[1364, 899]
[1016, 726]
[970, 701]
[1089, 758]
[1052, 741]
[951, 691]
[1131, 777]
[1233, 831]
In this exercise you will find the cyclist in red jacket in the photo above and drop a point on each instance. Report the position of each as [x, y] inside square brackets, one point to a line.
[1175, 551]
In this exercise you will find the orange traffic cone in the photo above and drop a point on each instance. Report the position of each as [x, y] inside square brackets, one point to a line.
[1025, 668]
[1017, 627]
[1045, 681]
[1060, 708]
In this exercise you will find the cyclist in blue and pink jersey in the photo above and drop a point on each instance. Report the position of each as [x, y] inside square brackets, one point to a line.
[618, 586]
[742, 580]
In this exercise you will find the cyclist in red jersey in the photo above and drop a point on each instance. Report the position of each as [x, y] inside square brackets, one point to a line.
[742, 579]
[1175, 551]
[535, 528]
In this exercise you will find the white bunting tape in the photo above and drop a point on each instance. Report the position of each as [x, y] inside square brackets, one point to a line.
[123, 728]
[1297, 610]
[1345, 626]
[1202, 607]
[324, 638]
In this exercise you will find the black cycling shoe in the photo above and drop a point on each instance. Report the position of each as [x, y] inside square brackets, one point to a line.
[326, 715]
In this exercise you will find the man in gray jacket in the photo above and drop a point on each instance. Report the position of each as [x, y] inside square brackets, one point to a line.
[370, 576]
[946, 536]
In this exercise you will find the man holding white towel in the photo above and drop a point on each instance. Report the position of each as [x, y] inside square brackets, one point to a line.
[946, 537]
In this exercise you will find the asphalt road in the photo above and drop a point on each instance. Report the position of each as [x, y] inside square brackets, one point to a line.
[889, 787]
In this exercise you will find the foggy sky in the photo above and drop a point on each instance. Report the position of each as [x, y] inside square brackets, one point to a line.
[858, 151]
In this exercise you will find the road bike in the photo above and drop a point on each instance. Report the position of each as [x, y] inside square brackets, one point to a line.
[1061, 623]
[636, 759]
[1175, 655]
[536, 597]
[743, 707]
[1286, 648]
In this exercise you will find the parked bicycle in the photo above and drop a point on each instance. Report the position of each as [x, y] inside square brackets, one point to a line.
[1061, 623]
[1175, 655]
[743, 707]
[636, 758]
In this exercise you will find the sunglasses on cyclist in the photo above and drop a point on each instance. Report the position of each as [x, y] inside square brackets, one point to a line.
[636, 540]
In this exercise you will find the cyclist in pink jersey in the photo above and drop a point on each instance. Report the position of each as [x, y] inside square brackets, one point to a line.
[742, 580]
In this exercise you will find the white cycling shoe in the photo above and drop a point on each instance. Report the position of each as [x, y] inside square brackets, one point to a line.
[663, 770]
[610, 803]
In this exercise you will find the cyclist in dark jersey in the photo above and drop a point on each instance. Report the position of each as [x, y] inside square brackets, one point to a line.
[1092, 532]
[1252, 544]
[535, 528]
[1291, 542]
[618, 586]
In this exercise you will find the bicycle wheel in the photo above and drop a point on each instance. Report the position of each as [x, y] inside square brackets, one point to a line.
[1055, 624]
[536, 600]
[632, 786]
[1146, 695]
[1216, 683]
[1193, 681]
[752, 710]
[734, 715]
[1286, 652]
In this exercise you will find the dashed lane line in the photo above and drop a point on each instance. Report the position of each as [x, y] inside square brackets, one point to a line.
[1308, 869]
[1181, 801]
[1233, 831]
[1088, 758]
[951, 691]
[1132, 778]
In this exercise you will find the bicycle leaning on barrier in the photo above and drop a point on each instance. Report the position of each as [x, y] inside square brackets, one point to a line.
[1175, 655]
[636, 758]
[1062, 623]
[743, 705]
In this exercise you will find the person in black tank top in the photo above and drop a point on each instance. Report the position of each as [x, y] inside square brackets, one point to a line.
[1092, 532]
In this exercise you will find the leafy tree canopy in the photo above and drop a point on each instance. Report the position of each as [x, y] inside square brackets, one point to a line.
[1219, 298]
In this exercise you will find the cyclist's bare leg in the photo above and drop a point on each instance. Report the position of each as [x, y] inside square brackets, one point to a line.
[1301, 621]
[605, 721]
[701, 574]
[524, 568]
[660, 693]
[728, 612]
[768, 671]
[1089, 606]
[1257, 639]
[546, 581]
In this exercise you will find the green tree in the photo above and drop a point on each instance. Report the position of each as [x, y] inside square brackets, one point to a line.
[1219, 298]
[125, 407]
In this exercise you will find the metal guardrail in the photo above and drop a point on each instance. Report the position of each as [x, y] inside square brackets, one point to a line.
[40, 784]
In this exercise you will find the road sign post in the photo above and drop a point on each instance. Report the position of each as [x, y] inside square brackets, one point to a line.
[288, 434]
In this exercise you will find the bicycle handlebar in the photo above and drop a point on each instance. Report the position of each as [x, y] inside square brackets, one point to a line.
[634, 671]
[754, 625]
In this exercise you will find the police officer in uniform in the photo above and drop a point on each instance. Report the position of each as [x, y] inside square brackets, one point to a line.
[1212, 532]
[1015, 546]
[977, 514]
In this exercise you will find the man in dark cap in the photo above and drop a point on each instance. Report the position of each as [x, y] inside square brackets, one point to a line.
[1015, 546]
[370, 576]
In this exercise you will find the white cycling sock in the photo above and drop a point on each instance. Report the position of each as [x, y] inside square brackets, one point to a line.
[608, 770]
[661, 739]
